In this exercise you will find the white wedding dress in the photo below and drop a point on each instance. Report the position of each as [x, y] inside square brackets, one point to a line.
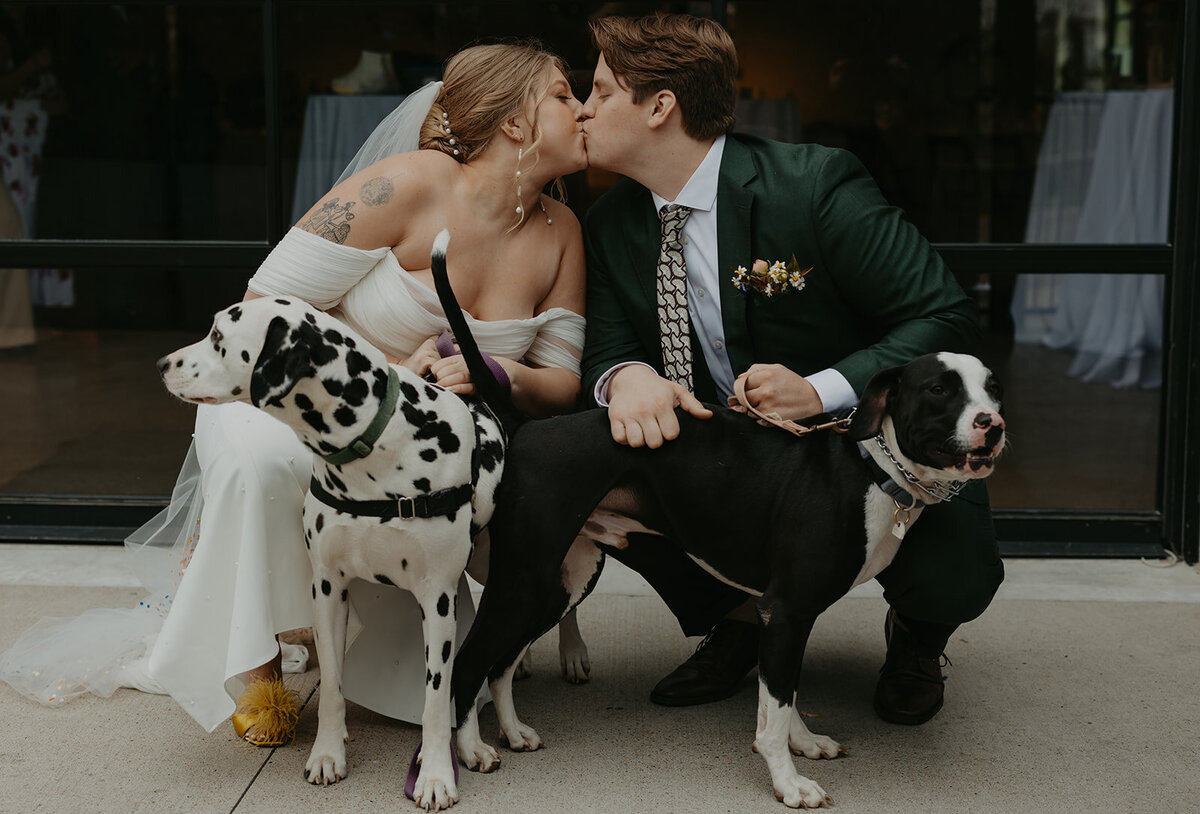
[233, 526]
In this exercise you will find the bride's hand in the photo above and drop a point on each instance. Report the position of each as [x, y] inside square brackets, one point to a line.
[452, 374]
[423, 357]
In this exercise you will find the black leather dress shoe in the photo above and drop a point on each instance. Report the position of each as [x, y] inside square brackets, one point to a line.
[715, 670]
[911, 687]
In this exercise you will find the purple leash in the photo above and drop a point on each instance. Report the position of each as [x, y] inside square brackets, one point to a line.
[410, 783]
[446, 347]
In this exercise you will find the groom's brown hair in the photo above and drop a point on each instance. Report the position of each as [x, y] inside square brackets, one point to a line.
[692, 57]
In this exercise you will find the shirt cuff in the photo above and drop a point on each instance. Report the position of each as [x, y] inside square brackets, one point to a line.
[600, 394]
[833, 390]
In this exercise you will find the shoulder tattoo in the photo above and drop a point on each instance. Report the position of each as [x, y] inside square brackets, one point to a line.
[331, 221]
[377, 191]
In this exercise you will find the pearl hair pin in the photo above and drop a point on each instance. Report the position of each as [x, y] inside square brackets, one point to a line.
[446, 127]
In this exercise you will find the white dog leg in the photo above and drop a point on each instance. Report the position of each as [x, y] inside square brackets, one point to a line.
[804, 743]
[472, 751]
[572, 651]
[771, 741]
[580, 569]
[327, 761]
[520, 738]
[435, 788]
[524, 668]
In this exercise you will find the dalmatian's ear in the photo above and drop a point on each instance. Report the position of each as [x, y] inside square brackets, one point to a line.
[283, 361]
[873, 404]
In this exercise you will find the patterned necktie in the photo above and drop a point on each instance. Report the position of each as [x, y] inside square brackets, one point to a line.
[673, 322]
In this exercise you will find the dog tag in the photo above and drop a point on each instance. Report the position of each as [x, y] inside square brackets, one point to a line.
[900, 519]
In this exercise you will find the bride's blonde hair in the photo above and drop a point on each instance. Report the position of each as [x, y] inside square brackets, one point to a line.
[482, 87]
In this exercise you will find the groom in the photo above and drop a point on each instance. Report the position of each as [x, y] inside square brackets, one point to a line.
[668, 329]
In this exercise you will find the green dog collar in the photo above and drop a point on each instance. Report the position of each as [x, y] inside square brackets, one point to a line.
[361, 446]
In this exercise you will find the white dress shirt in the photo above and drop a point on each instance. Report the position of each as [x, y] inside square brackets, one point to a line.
[704, 290]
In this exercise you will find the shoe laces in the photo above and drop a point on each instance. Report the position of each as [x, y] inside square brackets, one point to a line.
[703, 644]
[719, 651]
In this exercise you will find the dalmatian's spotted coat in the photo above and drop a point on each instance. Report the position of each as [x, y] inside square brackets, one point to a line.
[316, 375]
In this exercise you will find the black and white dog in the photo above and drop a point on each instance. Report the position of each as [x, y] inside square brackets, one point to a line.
[404, 473]
[794, 522]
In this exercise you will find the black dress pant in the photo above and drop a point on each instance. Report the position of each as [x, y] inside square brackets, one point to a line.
[946, 572]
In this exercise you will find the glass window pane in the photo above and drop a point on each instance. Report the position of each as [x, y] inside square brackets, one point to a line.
[1082, 389]
[133, 121]
[953, 106]
[985, 126]
[92, 416]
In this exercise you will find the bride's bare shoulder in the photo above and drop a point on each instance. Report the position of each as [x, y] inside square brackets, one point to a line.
[414, 174]
[419, 166]
[566, 225]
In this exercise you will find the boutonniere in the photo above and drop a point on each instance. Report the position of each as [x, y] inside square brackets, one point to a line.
[771, 279]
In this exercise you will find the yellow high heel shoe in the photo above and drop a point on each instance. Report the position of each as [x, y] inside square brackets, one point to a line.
[271, 709]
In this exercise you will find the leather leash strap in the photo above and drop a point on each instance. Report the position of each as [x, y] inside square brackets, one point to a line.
[741, 404]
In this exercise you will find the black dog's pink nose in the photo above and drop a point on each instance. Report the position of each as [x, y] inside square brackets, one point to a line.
[985, 420]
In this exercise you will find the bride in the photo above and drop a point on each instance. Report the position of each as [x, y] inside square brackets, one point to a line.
[225, 563]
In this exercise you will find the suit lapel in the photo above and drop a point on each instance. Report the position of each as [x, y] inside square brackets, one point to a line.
[644, 241]
[735, 207]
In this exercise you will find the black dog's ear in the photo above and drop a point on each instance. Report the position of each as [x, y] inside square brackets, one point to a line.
[280, 364]
[873, 404]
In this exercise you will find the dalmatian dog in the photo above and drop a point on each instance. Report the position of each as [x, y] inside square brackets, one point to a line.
[794, 522]
[404, 475]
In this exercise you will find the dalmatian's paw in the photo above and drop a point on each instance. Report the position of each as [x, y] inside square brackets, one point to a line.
[477, 755]
[815, 747]
[325, 765]
[435, 790]
[521, 738]
[800, 792]
[576, 666]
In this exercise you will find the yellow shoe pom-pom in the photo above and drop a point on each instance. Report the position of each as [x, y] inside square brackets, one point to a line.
[268, 708]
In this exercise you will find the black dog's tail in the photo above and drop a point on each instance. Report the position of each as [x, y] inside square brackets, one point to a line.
[486, 386]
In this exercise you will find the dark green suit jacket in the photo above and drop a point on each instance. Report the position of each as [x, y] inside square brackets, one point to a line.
[878, 294]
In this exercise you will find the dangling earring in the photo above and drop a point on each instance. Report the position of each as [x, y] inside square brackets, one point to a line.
[520, 153]
[520, 209]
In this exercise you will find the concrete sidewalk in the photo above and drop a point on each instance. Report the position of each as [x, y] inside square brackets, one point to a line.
[1075, 692]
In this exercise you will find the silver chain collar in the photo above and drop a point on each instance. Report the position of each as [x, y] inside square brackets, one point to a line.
[938, 491]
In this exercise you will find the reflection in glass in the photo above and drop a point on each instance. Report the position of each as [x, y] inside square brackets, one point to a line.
[1103, 176]
[1073, 444]
[946, 103]
[92, 416]
[134, 121]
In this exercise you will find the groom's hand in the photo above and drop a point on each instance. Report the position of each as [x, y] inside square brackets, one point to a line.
[641, 407]
[776, 389]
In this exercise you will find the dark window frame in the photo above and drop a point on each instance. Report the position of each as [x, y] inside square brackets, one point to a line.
[1174, 523]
